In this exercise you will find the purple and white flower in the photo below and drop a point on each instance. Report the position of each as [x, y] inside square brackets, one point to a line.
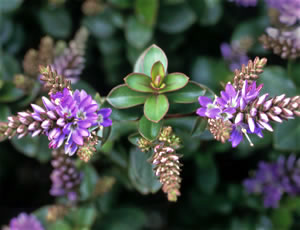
[25, 222]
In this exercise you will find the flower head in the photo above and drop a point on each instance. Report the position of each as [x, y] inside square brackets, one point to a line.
[25, 222]
[234, 55]
[273, 180]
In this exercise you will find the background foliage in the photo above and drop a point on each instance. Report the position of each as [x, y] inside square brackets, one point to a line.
[190, 32]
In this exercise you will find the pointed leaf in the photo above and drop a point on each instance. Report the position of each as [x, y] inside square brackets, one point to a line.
[157, 69]
[146, 11]
[199, 127]
[122, 97]
[148, 58]
[174, 81]
[156, 107]
[148, 129]
[139, 82]
[133, 138]
[187, 94]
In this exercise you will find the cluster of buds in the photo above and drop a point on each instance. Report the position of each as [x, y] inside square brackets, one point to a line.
[3, 129]
[220, 129]
[167, 168]
[86, 151]
[52, 81]
[65, 177]
[144, 145]
[71, 62]
[249, 72]
[165, 160]
[285, 43]
[56, 212]
[240, 110]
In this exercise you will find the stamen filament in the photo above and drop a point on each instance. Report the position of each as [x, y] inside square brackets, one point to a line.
[248, 138]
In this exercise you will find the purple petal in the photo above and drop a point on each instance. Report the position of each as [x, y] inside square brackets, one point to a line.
[84, 124]
[37, 109]
[106, 122]
[204, 101]
[213, 113]
[230, 90]
[201, 112]
[48, 104]
[83, 132]
[77, 138]
[105, 112]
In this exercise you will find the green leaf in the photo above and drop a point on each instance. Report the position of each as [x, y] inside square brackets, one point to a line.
[122, 97]
[133, 138]
[6, 29]
[188, 94]
[4, 112]
[141, 173]
[174, 81]
[157, 70]
[148, 129]
[100, 25]
[287, 135]
[137, 34]
[9, 66]
[83, 217]
[33, 147]
[90, 179]
[282, 218]
[200, 126]
[176, 18]
[209, 12]
[56, 22]
[156, 107]
[146, 11]
[60, 224]
[274, 78]
[123, 4]
[139, 82]
[10, 93]
[7, 6]
[147, 59]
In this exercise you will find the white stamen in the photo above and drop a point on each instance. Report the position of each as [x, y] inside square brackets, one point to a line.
[248, 138]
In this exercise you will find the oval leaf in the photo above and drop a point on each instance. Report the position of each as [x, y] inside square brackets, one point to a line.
[141, 173]
[139, 82]
[156, 107]
[157, 69]
[148, 129]
[122, 97]
[148, 58]
[174, 81]
[187, 94]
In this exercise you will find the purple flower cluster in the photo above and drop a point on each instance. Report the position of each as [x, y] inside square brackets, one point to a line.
[234, 56]
[230, 106]
[245, 3]
[274, 179]
[25, 222]
[73, 114]
[289, 10]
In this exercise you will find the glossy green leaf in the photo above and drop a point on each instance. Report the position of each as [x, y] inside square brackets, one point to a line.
[147, 59]
[176, 18]
[82, 217]
[148, 129]
[188, 94]
[122, 97]
[9, 66]
[274, 78]
[141, 173]
[100, 25]
[90, 179]
[33, 147]
[200, 126]
[56, 22]
[146, 11]
[174, 81]
[287, 135]
[137, 34]
[10, 93]
[7, 6]
[157, 70]
[156, 107]
[133, 138]
[139, 82]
